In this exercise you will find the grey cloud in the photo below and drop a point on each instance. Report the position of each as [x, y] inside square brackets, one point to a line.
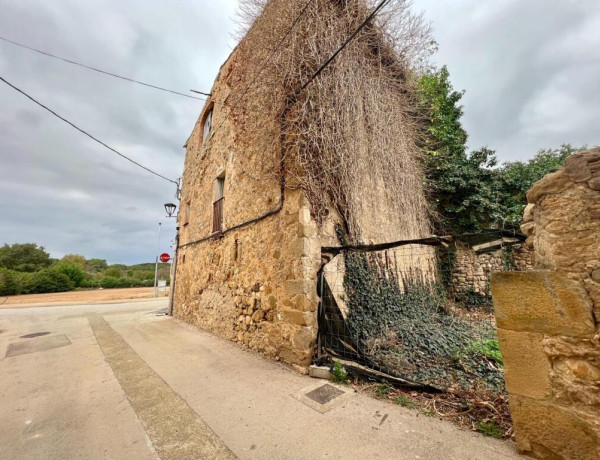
[59, 188]
[513, 59]
[529, 68]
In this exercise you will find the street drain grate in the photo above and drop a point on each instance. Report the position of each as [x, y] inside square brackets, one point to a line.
[324, 394]
[323, 397]
[34, 335]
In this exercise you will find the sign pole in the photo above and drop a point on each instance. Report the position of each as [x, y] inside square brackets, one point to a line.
[156, 266]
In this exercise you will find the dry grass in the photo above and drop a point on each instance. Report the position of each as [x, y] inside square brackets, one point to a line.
[355, 128]
[474, 409]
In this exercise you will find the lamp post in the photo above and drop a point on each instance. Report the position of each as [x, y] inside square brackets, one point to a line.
[170, 209]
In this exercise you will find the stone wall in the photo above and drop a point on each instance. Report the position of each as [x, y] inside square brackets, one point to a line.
[471, 269]
[256, 281]
[549, 319]
[255, 285]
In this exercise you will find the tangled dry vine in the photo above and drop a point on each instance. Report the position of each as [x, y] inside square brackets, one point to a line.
[354, 128]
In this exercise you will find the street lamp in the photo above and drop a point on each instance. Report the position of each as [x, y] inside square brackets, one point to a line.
[170, 208]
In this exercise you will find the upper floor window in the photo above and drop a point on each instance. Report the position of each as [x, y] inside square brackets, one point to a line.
[208, 124]
[218, 204]
[186, 213]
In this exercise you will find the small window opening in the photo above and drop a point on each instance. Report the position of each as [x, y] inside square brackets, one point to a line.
[187, 212]
[208, 124]
[218, 204]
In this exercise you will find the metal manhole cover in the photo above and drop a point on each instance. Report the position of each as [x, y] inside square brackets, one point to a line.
[324, 394]
[34, 335]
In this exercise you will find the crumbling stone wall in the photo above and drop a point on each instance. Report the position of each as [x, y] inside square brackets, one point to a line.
[250, 285]
[256, 282]
[549, 319]
[471, 271]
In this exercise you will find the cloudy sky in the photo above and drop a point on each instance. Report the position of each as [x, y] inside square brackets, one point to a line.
[530, 71]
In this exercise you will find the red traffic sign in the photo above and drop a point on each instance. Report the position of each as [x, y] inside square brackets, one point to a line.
[164, 258]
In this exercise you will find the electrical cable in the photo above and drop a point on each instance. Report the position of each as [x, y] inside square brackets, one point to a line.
[104, 71]
[86, 133]
[341, 48]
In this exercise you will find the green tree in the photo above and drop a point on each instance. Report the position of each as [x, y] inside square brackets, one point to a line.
[28, 257]
[516, 178]
[74, 260]
[96, 265]
[461, 187]
[113, 272]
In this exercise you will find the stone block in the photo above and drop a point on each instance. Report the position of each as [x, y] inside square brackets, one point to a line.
[576, 167]
[528, 213]
[541, 301]
[301, 247]
[304, 216]
[299, 318]
[549, 184]
[319, 372]
[526, 366]
[296, 287]
[304, 339]
[594, 184]
[306, 231]
[547, 431]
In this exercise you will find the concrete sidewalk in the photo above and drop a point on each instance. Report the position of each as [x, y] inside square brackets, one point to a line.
[134, 384]
[248, 401]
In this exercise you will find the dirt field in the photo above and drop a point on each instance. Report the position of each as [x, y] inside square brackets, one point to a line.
[78, 297]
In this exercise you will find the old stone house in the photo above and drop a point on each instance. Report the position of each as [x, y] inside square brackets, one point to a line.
[250, 237]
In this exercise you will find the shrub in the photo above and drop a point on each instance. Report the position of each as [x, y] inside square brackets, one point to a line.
[338, 373]
[489, 349]
[11, 282]
[125, 282]
[109, 282]
[49, 280]
[75, 274]
[90, 283]
[113, 272]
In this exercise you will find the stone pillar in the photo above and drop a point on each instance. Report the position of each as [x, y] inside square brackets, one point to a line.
[549, 319]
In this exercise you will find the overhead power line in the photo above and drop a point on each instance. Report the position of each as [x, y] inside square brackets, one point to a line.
[104, 71]
[87, 134]
[352, 36]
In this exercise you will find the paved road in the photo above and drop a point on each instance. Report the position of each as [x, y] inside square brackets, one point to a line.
[122, 381]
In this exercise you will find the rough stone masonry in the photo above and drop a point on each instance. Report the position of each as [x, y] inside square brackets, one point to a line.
[549, 319]
[250, 250]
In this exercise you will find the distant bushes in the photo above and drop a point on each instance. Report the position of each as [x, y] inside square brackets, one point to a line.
[22, 273]
[75, 274]
[10, 282]
[47, 280]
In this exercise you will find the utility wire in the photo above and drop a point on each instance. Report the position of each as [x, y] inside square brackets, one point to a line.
[104, 71]
[341, 48]
[255, 79]
[87, 134]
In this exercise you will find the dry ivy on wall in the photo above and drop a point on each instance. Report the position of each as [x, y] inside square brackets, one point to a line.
[356, 126]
